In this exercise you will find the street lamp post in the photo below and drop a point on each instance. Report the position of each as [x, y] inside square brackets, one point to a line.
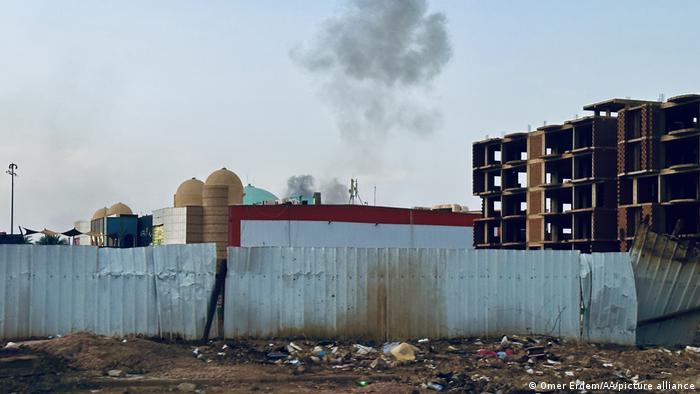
[13, 174]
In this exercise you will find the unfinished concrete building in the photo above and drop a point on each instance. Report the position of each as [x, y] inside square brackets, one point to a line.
[486, 183]
[500, 179]
[555, 187]
[659, 168]
[572, 185]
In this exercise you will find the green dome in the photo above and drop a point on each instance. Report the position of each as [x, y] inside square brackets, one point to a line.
[254, 195]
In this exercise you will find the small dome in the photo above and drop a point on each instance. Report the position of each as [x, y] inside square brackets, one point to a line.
[254, 195]
[189, 193]
[100, 213]
[224, 177]
[119, 209]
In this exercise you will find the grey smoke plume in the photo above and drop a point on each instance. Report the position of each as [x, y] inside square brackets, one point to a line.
[300, 185]
[332, 191]
[378, 60]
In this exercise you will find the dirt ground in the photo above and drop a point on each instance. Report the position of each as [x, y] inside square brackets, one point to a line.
[83, 363]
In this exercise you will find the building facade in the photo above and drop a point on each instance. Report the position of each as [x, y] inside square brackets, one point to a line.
[587, 184]
[659, 168]
[359, 226]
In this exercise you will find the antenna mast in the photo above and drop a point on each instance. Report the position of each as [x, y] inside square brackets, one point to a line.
[354, 192]
[12, 174]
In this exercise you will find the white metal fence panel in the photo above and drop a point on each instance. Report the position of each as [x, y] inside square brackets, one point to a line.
[51, 290]
[609, 298]
[400, 293]
[184, 279]
[43, 289]
[125, 292]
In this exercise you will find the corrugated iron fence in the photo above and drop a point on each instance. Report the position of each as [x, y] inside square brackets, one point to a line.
[668, 285]
[608, 298]
[322, 292]
[50, 290]
[411, 293]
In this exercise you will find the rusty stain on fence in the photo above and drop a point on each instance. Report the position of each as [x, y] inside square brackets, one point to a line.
[400, 293]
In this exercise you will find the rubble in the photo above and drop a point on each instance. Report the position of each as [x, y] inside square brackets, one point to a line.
[454, 365]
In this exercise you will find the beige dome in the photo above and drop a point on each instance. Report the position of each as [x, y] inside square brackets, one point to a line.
[224, 177]
[119, 209]
[189, 193]
[100, 213]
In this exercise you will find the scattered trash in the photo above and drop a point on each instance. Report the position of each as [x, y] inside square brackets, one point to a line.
[362, 350]
[486, 353]
[318, 351]
[293, 348]
[424, 340]
[12, 345]
[389, 346]
[441, 363]
[115, 373]
[505, 342]
[277, 355]
[362, 383]
[535, 352]
[403, 352]
[124, 341]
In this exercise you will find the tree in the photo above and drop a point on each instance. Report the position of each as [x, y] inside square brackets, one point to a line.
[51, 240]
[26, 240]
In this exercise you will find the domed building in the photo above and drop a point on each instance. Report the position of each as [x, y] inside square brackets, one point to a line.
[254, 195]
[222, 189]
[99, 214]
[181, 223]
[119, 209]
[116, 227]
[189, 194]
[200, 211]
[224, 177]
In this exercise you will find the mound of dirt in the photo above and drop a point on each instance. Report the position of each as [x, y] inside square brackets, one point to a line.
[87, 351]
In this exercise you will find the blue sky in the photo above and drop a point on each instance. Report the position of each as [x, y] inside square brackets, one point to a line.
[121, 101]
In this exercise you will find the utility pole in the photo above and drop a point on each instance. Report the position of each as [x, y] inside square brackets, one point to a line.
[12, 174]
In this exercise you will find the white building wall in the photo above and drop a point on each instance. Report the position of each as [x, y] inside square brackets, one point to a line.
[174, 222]
[304, 233]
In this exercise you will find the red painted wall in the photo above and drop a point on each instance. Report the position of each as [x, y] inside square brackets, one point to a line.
[342, 213]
